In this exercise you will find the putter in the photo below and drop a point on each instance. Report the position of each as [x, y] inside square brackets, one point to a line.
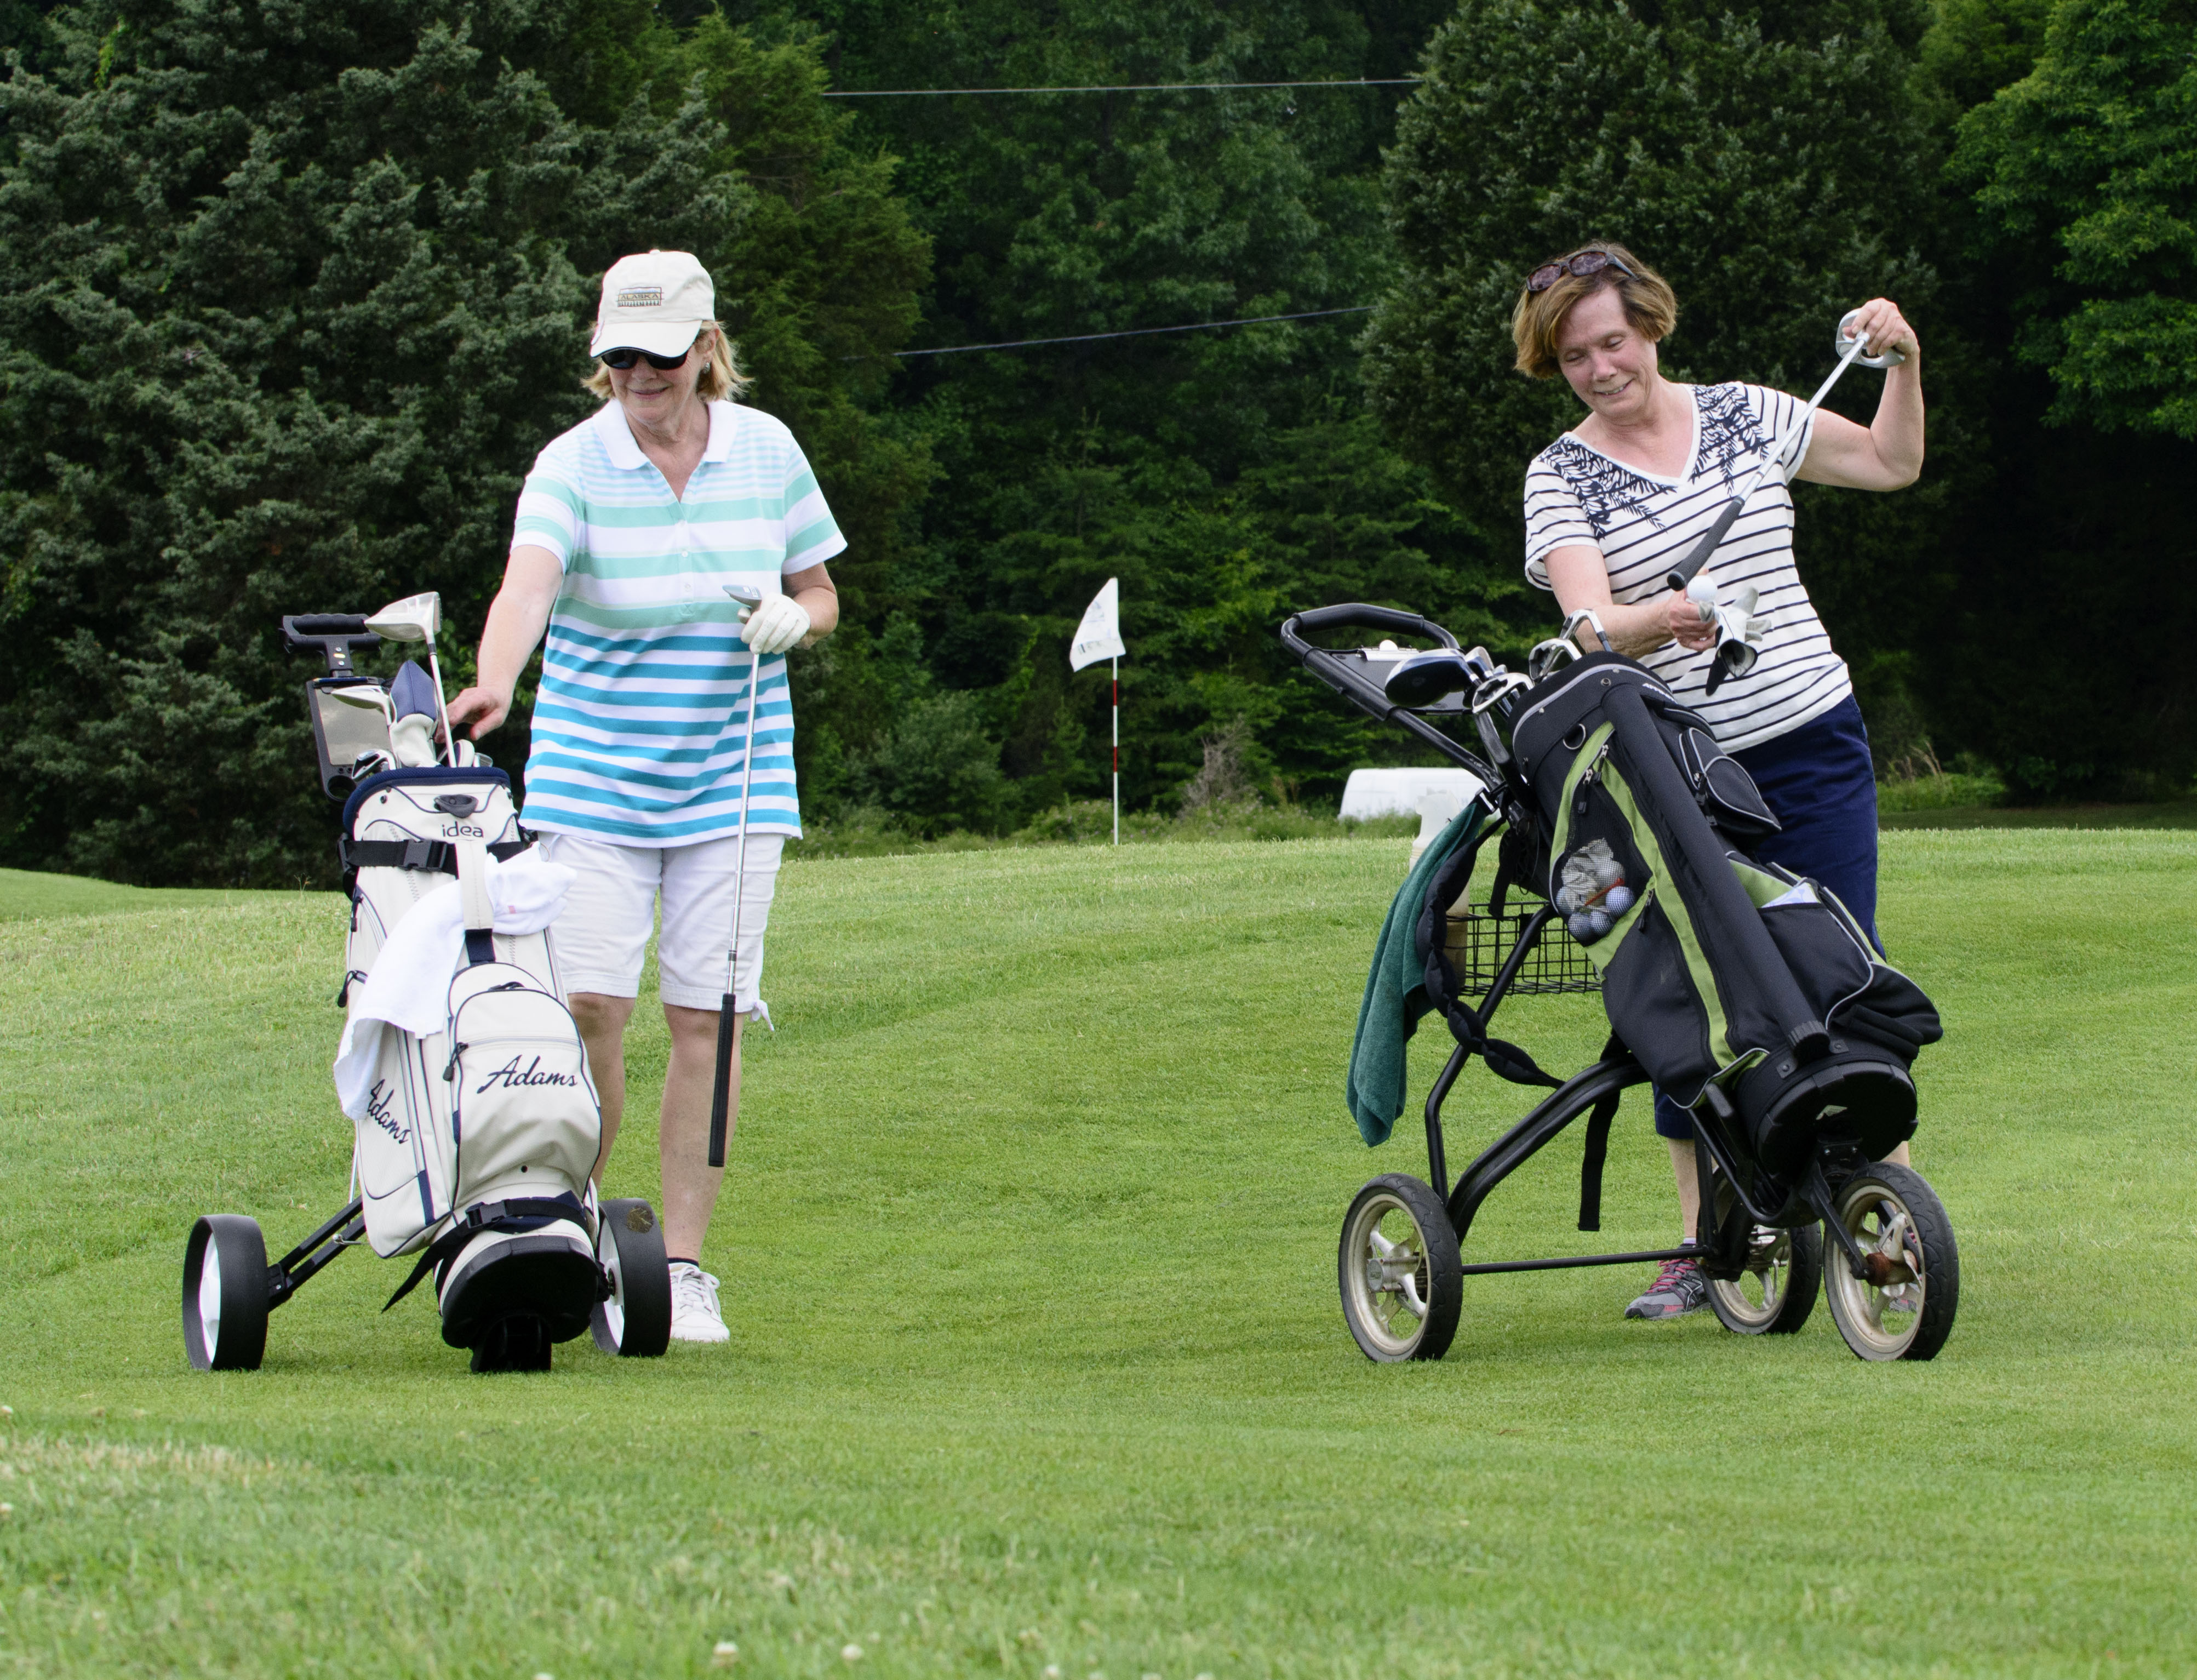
[417, 618]
[1851, 350]
[721, 1092]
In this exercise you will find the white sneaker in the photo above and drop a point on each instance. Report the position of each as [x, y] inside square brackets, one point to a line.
[694, 1314]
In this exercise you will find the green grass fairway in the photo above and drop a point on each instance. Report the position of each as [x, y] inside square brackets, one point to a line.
[1037, 1365]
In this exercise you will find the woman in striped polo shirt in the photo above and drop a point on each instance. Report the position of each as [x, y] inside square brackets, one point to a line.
[629, 528]
[1612, 505]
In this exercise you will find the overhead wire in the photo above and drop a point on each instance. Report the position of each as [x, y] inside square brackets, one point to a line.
[1127, 87]
[1131, 333]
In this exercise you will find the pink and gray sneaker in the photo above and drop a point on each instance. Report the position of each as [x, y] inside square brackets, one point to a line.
[1678, 1289]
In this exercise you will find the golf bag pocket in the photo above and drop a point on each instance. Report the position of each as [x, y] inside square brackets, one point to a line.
[1655, 1005]
[403, 1150]
[1855, 992]
[1727, 792]
[524, 1115]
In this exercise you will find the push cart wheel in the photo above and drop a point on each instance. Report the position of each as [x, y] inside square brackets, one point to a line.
[1776, 1292]
[1402, 1281]
[1904, 1308]
[225, 1294]
[636, 1321]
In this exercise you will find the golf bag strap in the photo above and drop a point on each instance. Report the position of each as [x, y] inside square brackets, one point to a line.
[436, 857]
[474, 895]
[478, 1217]
[1504, 1060]
[1598, 1150]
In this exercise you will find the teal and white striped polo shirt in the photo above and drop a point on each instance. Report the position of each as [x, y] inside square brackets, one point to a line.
[639, 726]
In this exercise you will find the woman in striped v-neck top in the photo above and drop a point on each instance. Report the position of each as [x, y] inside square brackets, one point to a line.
[1613, 504]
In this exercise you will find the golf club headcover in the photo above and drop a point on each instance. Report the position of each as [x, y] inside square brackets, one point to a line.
[412, 691]
[412, 740]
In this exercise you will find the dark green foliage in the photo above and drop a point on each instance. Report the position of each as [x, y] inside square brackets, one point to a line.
[2087, 178]
[2078, 547]
[1225, 477]
[1976, 47]
[288, 301]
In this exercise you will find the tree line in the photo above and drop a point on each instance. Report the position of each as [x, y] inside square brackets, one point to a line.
[288, 300]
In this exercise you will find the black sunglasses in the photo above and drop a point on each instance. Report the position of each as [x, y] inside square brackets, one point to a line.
[625, 356]
[1586, 263]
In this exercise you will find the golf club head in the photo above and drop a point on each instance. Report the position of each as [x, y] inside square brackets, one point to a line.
[745, 593]
[415, 618]
[1424, 679]
[1842, 341]
[1548, 656]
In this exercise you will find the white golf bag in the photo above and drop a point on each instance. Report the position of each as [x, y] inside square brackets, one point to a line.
[478, 1139]
[477, 1127]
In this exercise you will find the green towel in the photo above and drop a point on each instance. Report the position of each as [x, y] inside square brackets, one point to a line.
[1396, 990]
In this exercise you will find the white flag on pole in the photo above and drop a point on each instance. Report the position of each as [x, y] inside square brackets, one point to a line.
[1100, 635]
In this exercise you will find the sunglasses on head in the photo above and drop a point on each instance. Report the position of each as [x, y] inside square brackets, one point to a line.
[625, 356]
[1585, 263]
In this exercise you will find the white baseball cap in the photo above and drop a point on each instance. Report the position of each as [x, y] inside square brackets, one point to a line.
[656, 301]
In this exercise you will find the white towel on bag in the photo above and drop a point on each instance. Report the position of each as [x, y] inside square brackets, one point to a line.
[409, 987]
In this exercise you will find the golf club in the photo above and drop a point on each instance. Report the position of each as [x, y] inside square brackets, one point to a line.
[721, 1092]
[417, 618]
[1852, 349]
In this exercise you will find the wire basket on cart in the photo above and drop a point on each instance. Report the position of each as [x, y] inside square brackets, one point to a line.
[1478, 944]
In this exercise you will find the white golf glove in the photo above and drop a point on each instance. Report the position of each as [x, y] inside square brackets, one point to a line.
[776, 625]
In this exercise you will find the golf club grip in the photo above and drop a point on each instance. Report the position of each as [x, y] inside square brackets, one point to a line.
[1683, 574]
[721, 1092]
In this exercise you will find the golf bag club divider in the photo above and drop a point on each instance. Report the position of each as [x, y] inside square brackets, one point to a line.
[1809, 1082]
[478, 1145]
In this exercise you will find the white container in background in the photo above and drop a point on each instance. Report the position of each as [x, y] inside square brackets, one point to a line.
[1433, 795]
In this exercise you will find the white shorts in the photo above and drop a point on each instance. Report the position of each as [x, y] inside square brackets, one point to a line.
[602, 936]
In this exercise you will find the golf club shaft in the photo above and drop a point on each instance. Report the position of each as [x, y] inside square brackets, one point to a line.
[721, 1092]
[450, 741]
[1683, 573]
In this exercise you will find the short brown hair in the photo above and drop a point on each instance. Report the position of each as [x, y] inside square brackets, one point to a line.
[1539, 316]
[721, 378]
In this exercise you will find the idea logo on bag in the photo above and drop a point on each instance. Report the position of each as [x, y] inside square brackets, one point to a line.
[511, 1077]
[378, 1102]
[464, 830]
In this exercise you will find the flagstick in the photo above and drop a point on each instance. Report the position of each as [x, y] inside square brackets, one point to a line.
[1116, 663]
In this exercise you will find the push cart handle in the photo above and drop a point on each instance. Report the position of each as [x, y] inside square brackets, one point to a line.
[1373, 617]
[330, 635]
[1345, 674]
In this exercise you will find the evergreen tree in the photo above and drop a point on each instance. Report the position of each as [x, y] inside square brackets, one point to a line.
[2086, 177]
[288, 301]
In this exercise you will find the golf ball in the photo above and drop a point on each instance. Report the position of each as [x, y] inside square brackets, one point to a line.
[1564, 906]
[1599, 922]
[1618, 900]
[1582, 927]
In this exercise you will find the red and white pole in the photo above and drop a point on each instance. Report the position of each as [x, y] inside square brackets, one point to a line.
[1116, 663]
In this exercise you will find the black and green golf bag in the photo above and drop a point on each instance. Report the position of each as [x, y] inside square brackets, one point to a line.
[1737, 984]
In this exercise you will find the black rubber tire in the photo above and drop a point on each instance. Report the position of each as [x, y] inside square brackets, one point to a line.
[1435, 1295]
[1882, 1183]
[1804, 1278]
[635, 1323]
[225, 1297]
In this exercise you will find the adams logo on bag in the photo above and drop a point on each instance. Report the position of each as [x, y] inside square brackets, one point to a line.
[511, 1077]
[379, 1102]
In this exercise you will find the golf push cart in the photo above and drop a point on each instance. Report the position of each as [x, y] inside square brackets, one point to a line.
[1747, 993]
[476, 1125]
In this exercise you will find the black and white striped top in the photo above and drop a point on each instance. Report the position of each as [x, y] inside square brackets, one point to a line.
[1644, 523]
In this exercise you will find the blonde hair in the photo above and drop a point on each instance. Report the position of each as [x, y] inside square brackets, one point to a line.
[721, 378]
[1650, 306]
